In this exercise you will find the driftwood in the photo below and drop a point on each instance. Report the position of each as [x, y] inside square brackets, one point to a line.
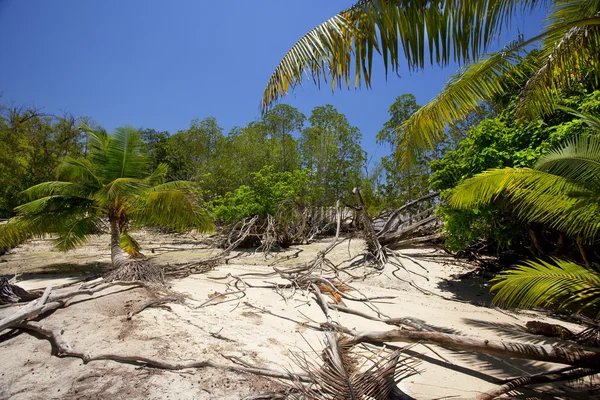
[10, 293]
[64, 349]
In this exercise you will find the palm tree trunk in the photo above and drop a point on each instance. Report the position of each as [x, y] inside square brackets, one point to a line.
[117, 255]
[126, 268]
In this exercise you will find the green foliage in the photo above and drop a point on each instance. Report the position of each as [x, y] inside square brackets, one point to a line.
[113, 182]
[331, 151]
[497, 143]
[268, 191]
[558, 283]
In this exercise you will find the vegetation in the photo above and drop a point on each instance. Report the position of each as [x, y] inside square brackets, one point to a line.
[111, 184]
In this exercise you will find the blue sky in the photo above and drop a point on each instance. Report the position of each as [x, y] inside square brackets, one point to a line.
[159, 64]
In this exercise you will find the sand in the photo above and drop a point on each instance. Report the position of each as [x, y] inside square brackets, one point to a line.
[229, 327]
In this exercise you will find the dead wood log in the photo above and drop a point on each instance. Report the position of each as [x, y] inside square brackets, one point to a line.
[569, 355]
[397, 212]
[399, 235]
[11, 293]
[151, 303]
[565, 374]
[64, 349]
[52, 302]
[550, 330]
[422, 239]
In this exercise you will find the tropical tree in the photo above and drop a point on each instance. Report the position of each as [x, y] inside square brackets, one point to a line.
[341, 49]
[110, 190]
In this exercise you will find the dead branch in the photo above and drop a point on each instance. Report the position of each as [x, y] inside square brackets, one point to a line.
[151, 303]
[564, 374]
[397, 212]
[570, 355]
[52, 302]
[64, 349]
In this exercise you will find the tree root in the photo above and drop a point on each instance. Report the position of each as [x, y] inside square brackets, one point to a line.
[137, 270]
[64, 349]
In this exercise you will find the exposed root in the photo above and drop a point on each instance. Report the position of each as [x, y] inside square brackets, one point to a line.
[137, 270]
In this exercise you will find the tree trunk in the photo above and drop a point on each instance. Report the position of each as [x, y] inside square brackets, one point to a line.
[125, 267]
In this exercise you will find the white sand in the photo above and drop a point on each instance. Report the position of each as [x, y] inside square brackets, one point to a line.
[29, 371]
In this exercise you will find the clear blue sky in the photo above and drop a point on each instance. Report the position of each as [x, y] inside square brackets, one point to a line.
[159, 64]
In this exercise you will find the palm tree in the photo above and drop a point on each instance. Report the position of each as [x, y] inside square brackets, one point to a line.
[110, 190]
[341, 50]
[562, 191]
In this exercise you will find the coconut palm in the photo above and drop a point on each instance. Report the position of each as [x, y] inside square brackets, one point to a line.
[109, 190]
[341, 50]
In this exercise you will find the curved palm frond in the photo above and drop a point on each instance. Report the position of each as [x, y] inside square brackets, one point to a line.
[568, 56]
[420, 32]
[159, 175]
[560, 283]
[578, 160]
[461, 95]
[120, 188]
[45, 189]
[129, 244]
[73, 170]
[78, 231]
[591, 120]
[170, 205]
[534, 196]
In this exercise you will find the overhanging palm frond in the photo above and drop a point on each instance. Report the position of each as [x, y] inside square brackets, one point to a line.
[420, 32]
[534, 196]
[568, 56]
[578, 160]
[462, 94]
[560, 283]
[591, 120]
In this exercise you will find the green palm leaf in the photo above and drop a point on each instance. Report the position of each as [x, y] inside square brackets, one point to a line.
[419, 32]
[569, 55]
[534, 196]
[171, 205]
[129, 244]
[462, 94]
[78, 231]
[560, 283]
[578, 160]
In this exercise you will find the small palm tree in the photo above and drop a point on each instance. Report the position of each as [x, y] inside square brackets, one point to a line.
[111, 190]
[341, 50]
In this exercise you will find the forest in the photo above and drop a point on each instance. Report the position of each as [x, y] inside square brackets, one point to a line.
[499, 173]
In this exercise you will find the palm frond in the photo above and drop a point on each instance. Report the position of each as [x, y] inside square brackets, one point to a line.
[74, 170]
[159, 175]
[591, 120]
[124, 155]
[129, 244]
[461, 94]
[350, 372]
[534, 196]
[341, 49]
[169, 206]
[569, 55]
[45, 189]
[560, 283]
[78, 232]
[120, 188]
[577, 160]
